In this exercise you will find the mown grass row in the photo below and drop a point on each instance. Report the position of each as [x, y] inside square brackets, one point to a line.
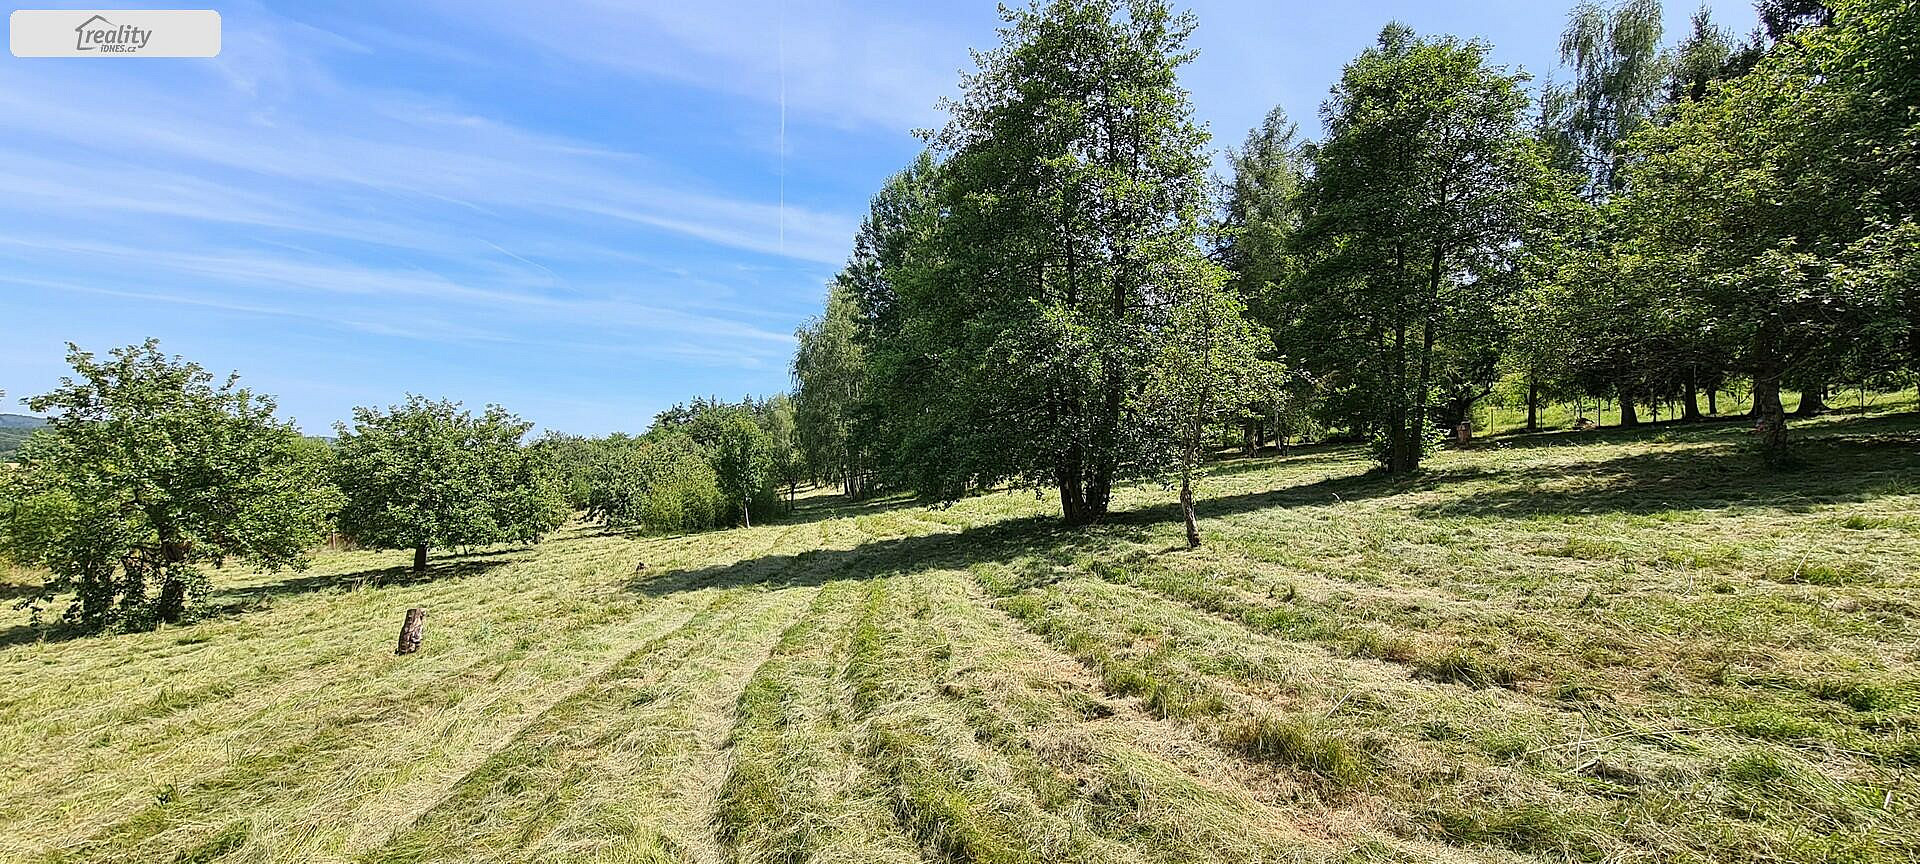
[1614, 647]
[623, 770]
[1561, 726]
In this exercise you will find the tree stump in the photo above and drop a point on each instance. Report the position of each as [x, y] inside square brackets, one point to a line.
[412, 631]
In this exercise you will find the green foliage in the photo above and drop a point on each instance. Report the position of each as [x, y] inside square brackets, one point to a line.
[661, 483]
[1014, 295]
[749, 444]
[1419, 197]
[829, 376]
[1783, 203]
[569, 460]
[1618, 73]
[743, 460]
[426, 474]
[887, 438]
[1207, 369]
[786, 464]
[1262, 213]
[147, 472]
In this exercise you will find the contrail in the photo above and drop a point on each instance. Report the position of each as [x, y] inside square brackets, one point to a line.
[781, 16]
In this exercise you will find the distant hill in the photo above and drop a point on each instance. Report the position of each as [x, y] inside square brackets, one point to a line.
[14, 428]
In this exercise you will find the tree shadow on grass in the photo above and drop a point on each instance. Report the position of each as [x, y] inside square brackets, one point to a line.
[235, 601]
[1828, 469]
[1834, 468]
[1004, 541]
[24, 634]
[241, 599]
[995, 542]
[1716, 428]
[823, 507]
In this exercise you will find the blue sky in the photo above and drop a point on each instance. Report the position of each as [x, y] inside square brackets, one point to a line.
[579, 209]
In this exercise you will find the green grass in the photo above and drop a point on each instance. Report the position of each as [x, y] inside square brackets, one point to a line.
[1598, 646]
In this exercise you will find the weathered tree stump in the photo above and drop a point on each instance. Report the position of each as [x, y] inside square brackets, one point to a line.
[412, 631]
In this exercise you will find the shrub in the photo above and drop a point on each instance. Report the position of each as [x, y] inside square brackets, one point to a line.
[660, 483]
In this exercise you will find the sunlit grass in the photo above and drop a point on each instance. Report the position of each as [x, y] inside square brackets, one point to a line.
[1624, 646]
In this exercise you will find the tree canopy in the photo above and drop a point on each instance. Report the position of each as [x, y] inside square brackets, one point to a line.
[427, 474]
[149, 471]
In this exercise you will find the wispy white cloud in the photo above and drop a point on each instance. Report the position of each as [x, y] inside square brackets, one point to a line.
[843, 64]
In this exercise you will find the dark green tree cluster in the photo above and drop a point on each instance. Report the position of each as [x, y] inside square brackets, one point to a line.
[703, 464]
[1029, 302]
[1675, 222]
[662, 482]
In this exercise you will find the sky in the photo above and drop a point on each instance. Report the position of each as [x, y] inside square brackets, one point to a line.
[583, 210]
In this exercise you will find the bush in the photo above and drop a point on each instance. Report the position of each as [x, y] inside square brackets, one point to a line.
[661, 483]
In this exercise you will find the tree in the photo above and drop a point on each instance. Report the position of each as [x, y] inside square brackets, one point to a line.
[662, 482]
[1417, 202]
[1256, 244]
[1070, 197]
[1262, 213]
[1206, 372]
[1790, 194]
[147, 472]
[829, 374]
[1618, 72]
[784, 463]
[894, 430]
[426, 474]
[569, 459]
[1782, 18]
[743, 459]
[1706, 56]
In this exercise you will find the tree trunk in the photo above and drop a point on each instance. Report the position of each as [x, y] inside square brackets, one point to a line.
[420, 558]
[1713, 401]
[1533, 404]
[1770, 416]
[1770, 419]
[1073, 500]
[1629, 415]
[746, 514]
[172, 605]
[1186, 509]
[412, 631]
[1099, 493]
[1692, 405]
[1813, 400]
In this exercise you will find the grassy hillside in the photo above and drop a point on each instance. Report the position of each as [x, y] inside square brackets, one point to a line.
[1580, 646]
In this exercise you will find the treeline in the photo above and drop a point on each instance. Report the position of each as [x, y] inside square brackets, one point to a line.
[149, 474]
[1055, 295]
[704, 464]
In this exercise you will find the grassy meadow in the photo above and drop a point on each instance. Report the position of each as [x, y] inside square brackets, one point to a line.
[1599, 646]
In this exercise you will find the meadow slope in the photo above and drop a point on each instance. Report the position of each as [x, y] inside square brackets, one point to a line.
[1624, 646]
